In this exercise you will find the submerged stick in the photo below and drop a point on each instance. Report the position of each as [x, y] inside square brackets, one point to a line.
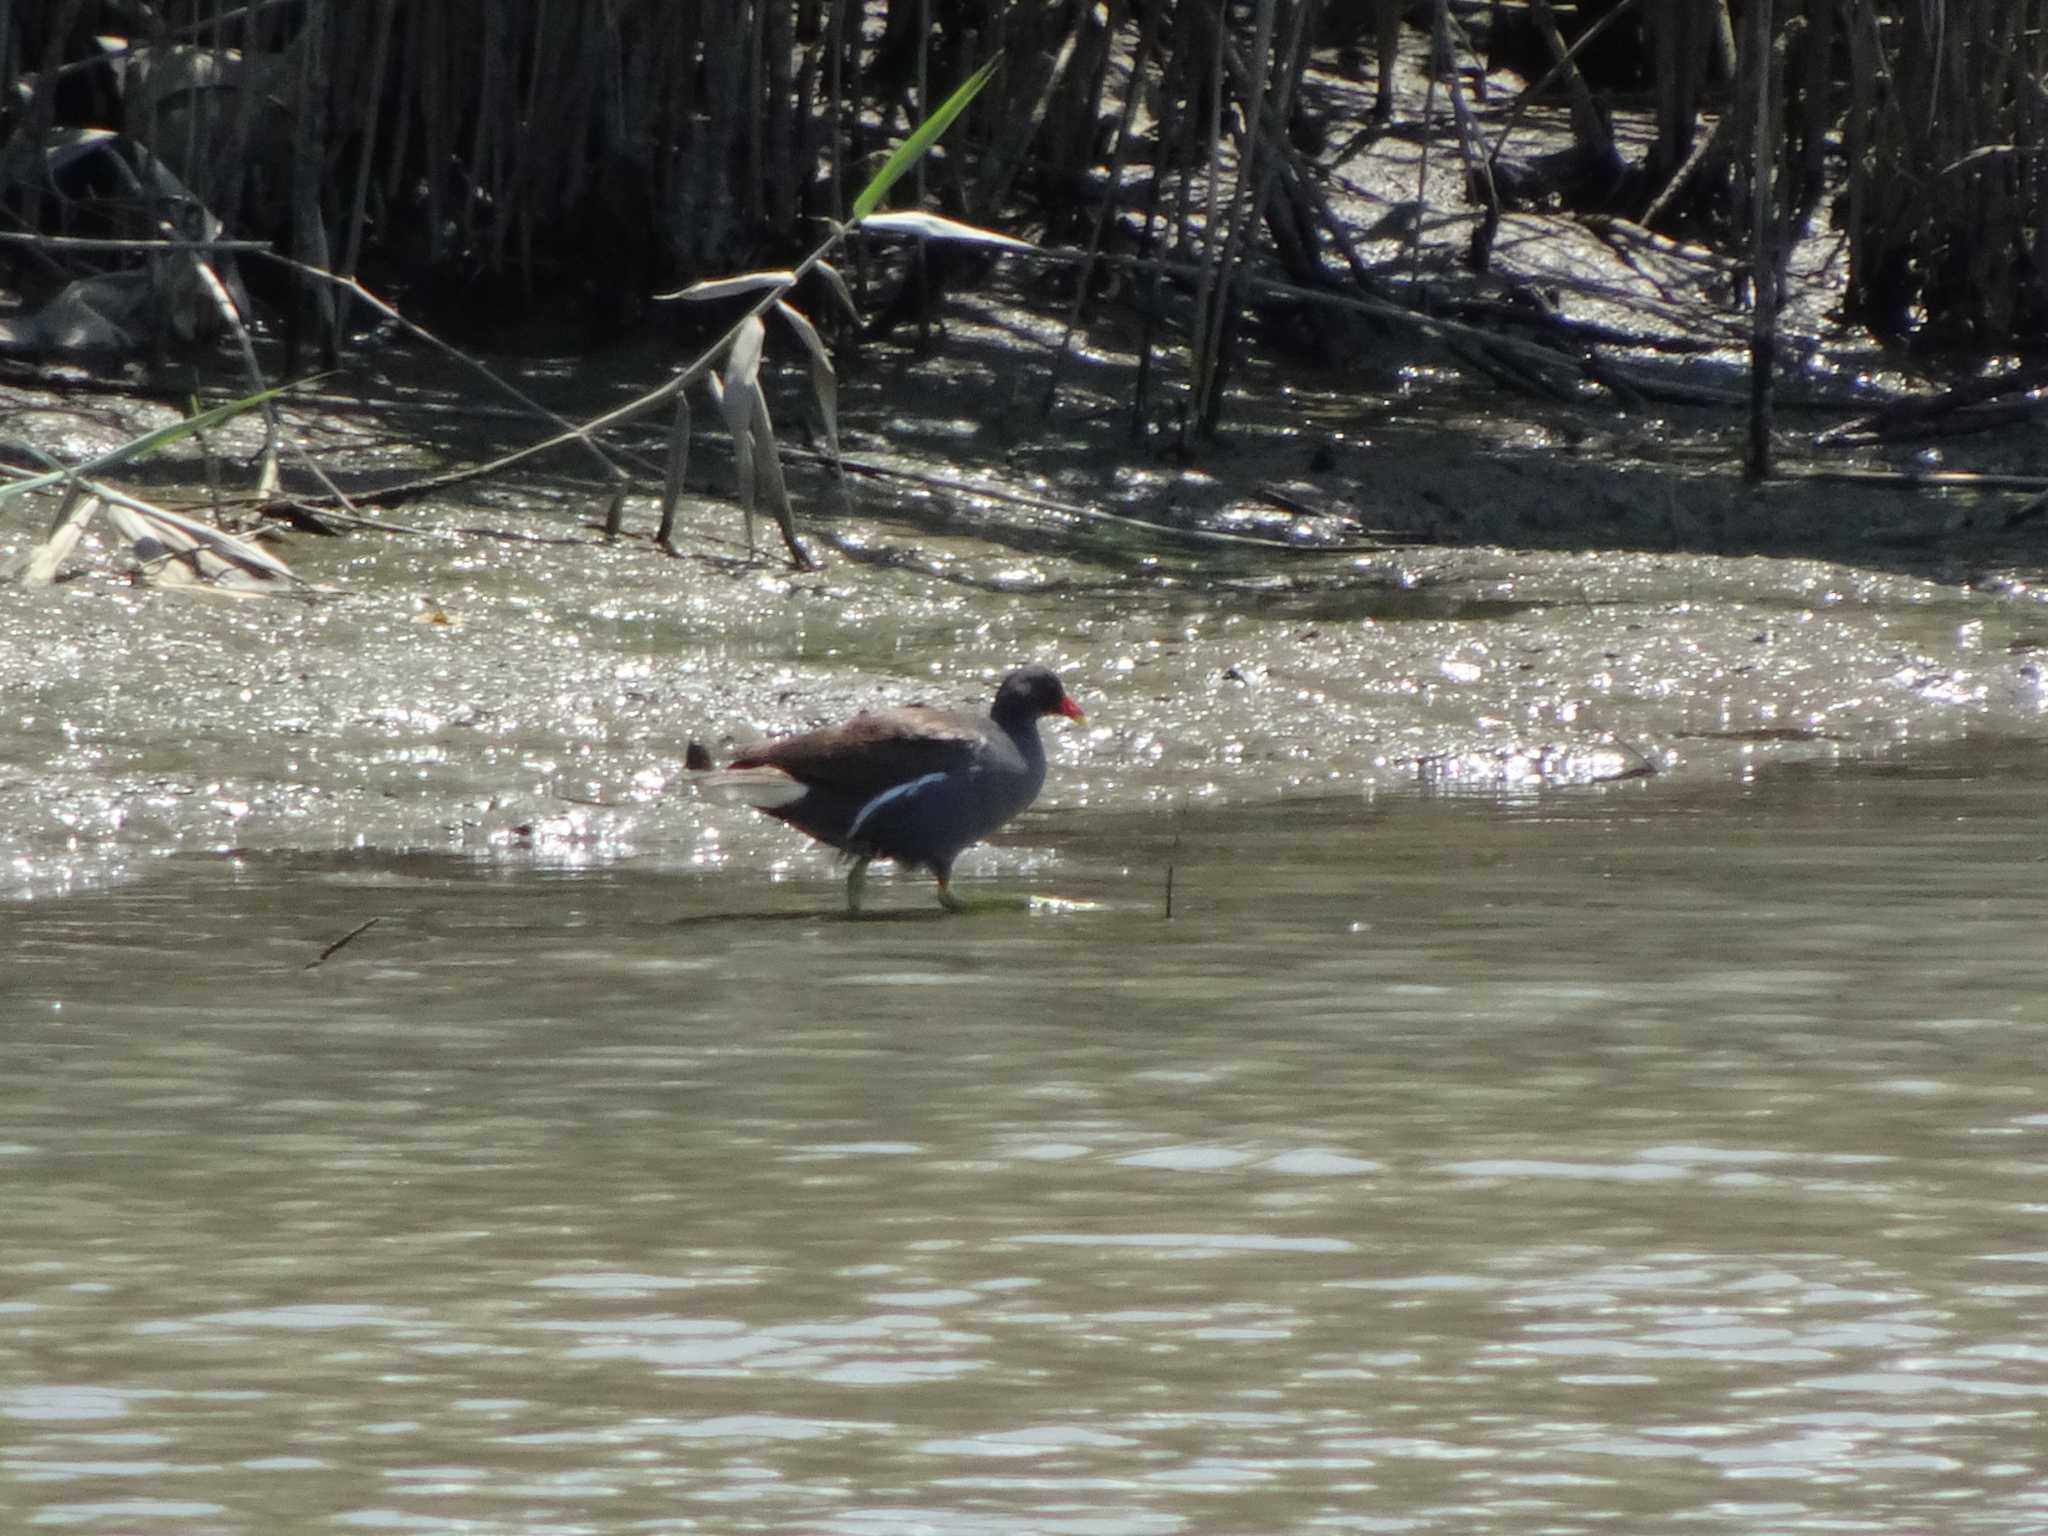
[342, 943]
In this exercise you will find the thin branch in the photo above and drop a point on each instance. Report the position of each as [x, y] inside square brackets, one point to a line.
[341, 943]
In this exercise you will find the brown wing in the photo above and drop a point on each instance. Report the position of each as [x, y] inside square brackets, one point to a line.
[874, 752]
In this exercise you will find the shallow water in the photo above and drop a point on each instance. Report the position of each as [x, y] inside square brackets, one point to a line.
[489, 697]
[419, 1112]
[1666, 1150]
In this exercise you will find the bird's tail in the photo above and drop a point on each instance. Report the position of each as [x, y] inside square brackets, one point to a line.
[762, 788]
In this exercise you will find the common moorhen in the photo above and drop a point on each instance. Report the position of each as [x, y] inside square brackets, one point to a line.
[913, 784]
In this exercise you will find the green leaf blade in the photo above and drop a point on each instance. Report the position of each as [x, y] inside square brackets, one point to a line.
[921, 139]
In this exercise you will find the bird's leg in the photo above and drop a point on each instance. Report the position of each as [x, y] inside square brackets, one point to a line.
[856, 878]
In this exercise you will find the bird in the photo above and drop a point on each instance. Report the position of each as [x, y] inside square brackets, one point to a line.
[913, 784]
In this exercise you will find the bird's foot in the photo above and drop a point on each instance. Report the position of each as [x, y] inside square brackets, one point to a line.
[856, 882]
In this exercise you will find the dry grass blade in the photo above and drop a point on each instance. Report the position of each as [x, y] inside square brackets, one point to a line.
[728, 287]
[267, 479]
[583, 436]
[160, 534]
[678, 465]
[839, 288]
[739, 392]
[824, 381]
[768, 473]
[37, 567]
[930, 226]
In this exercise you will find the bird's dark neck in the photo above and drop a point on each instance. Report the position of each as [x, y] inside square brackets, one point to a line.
[1020, 728]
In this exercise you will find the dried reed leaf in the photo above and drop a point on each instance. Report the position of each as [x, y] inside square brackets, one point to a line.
[839, 287]
[743, 358]
[930, 226]
[37, 567]
[740, 400]
[768, 471]
[727, 287]
[824, 381]
[175, 535]
[678, 464]
[267, 479]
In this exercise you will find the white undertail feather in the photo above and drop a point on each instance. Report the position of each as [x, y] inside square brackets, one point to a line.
[762, 788]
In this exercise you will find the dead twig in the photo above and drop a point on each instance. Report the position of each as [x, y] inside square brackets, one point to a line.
[1921, 480]
[1908, 417]
[341, 943]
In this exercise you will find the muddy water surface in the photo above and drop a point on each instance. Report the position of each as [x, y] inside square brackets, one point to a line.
[1639, 1153]
[1496, 1137]
[532, 702]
